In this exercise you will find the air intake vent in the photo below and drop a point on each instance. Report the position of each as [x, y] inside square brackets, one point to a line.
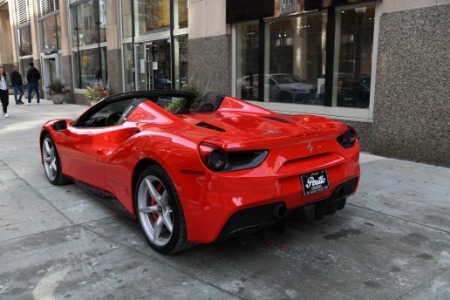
[209, 126]
[278, 120]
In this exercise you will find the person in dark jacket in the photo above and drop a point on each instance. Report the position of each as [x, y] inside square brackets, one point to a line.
[33, 77]
[16, 80]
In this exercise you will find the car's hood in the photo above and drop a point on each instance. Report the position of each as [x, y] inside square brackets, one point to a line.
[239, 127]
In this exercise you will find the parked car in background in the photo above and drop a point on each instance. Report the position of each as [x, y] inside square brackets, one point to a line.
[194, 171]
[282, 87]
[353, 92]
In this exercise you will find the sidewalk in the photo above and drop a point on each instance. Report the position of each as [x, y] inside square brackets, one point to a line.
[392, 240]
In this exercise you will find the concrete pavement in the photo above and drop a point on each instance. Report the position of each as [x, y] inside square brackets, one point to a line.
[392, 240]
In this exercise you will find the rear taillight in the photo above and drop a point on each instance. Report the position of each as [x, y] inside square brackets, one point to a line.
[348, 139]
[214, 157]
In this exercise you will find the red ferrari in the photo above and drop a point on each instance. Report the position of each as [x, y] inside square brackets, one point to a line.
[194, 171]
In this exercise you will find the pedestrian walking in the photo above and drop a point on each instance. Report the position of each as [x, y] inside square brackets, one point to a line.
[17, 82]
[33, 77]
[4, 95]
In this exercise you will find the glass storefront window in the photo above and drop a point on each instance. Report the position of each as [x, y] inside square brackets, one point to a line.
[247, 53]
[181, 61]
[180, 14]
[89, 30]
[127, 19]
[89, 23]
[24, 65]
[24, 39]
[129, 69]
[51, 34]
[296, 60]
[154, 65]
[353, 54]
[89, 70]
[102, 20]
[151, 15]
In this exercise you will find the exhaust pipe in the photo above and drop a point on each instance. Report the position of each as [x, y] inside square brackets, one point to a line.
[339, 192]
[280, 211]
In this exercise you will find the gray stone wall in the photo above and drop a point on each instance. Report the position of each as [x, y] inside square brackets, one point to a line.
[364, 131]
[412, 96]
[114, 63]
[210, 63]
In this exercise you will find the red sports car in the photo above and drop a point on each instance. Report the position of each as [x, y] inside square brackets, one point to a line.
[193, 171]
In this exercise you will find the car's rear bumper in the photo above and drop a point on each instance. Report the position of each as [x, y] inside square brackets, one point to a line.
[257, 218]
[220, 204]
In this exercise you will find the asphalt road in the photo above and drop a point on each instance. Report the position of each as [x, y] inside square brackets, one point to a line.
[392, 240]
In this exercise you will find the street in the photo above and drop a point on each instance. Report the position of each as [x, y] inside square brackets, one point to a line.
[392, 240]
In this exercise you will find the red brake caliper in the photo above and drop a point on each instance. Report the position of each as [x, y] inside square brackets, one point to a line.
[159, 188]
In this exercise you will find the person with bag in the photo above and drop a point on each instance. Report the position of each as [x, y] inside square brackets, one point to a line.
[33, 77]
[4, 95]
[17, 82]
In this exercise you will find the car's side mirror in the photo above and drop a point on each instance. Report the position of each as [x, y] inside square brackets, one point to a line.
[60, 125]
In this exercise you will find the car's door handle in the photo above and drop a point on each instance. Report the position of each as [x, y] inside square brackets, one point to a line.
[100, 151]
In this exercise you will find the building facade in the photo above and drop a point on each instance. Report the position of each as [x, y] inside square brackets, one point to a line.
[381, 66]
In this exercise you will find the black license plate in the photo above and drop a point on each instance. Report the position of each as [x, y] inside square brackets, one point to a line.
[315, 182]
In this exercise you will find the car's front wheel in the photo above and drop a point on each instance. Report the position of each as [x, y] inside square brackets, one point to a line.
[159, 211]
[52, 163]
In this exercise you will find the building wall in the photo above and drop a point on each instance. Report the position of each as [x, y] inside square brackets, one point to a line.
[412, 96]
[210, 63]
[6, 51]
[207, 18]
[209, 46]
[402, 5]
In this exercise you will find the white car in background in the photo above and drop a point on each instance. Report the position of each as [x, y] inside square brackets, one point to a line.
[282, 87]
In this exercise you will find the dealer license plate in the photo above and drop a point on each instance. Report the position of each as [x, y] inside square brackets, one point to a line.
[315, 182]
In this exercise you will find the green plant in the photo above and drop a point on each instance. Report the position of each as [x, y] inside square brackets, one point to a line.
[97, 91]
[57, 87]
[192, 87]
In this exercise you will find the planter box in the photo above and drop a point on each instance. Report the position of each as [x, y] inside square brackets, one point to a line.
[58, 98]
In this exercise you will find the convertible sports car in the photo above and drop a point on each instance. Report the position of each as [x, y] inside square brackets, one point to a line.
[193, 171]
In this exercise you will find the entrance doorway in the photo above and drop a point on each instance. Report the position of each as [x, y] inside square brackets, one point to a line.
[153, 64]
[50, 69]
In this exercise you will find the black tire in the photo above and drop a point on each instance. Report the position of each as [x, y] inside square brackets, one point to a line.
[159, 211]
[51, 162]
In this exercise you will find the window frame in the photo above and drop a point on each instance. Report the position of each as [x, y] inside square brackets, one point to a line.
[343, 113]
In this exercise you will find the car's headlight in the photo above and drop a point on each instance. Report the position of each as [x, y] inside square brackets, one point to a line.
[348, 139]
[217, 159]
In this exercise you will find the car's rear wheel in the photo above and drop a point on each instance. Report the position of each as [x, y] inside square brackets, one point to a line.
[159, 211]
[52, 163]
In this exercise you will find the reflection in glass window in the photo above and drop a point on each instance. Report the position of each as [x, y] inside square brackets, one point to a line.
[89, 23]
[89, 70]
[181, 61]
[127, 19]
[180, 14]
[51, 34]
[24, 64]
[151, 15]
[247, 53]
[297, 60]
[25, 46]
[128, 61]
[89, 31]
[354, 32]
